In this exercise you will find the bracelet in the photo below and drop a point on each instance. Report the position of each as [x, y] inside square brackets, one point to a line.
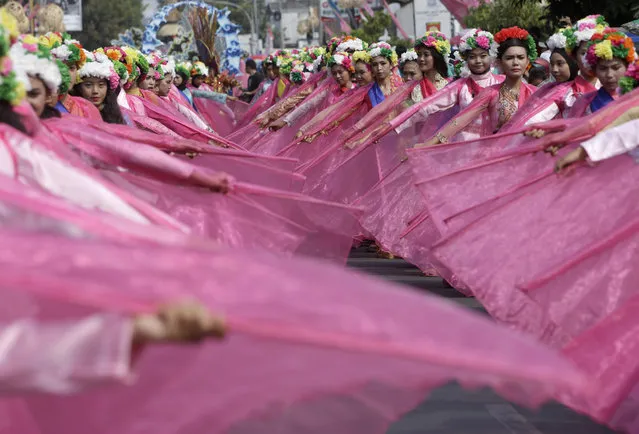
[442, 138]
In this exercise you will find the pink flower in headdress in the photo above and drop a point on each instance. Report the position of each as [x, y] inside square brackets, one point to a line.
[483, 42]
[5, 66]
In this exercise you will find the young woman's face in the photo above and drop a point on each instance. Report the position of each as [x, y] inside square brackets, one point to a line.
[609, 72]
[478, 61]
[270, 72]
[164, 85]
[584, 70]
[341, 75]
[178, 80]
[147, 84]
[425, 59]
[73, 73]
[559, 68]
[94, 90]
[37, 96]
[381, 68]
[514, 62]
[197, 81]
[411, 72]
[363, 74]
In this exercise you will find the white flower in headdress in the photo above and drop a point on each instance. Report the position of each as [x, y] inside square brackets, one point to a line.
[408, 56]
[351, 45]
[317, 63]
[26, 63]
[62, 52]
[557, 41]
[168, 68]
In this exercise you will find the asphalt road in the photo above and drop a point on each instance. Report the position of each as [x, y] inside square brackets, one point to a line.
[453, 410]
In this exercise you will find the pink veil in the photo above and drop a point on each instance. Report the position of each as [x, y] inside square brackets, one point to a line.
[321, 367]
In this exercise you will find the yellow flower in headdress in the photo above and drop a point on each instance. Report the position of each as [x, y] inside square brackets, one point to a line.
[9, 23]
[113, 54]
[30, 40]
[51, 40]
[603, 50]
[361, 56]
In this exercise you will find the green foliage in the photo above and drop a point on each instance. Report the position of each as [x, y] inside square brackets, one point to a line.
[617, 12]
[373, 28]
[506, 13]
[103, 20]
[401, 44]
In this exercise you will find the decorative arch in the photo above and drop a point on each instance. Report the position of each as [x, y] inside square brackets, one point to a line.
[227, 31]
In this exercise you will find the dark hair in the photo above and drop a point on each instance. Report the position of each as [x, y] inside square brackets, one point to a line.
[185, 80]
[570, 60]
[537, 73]
[250, 63]
[508, 43]
[50, 112]
[111, 112]
[10, 117]
[440, 63]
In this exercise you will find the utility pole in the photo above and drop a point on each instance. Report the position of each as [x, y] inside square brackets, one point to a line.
[256, 28]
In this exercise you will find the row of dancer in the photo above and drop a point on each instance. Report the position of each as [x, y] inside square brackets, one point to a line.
[129, 182]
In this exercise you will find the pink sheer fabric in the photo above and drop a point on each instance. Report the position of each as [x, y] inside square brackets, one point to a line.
[394, 211]
[476, 176]
[250, 135]
[262, 104]
[334, 370]
[216, 114]
[180, 125]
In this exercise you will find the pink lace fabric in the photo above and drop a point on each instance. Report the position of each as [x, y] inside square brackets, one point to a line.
[357, 352]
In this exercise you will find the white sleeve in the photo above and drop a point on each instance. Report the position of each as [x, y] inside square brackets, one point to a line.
[613, 142]
[64, 356]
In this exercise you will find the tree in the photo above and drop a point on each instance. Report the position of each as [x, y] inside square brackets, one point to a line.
[506, 13]
[104, 20]
[373, 28]
[617, 12]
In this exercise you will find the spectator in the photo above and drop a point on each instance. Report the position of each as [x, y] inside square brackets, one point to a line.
[255, 78]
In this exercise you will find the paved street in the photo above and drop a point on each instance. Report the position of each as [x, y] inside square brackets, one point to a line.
[453, 410]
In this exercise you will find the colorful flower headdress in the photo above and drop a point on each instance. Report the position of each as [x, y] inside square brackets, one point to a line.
[608, 45]
[477, 38]
[332, 44]
[341, 58]
[30, 58]
[586, 27]
[408, 56]
[168, 67]
[460, 68]
[64, 48]
[383, 49]
[137, 64]
[298, 74]
[361, 56]
[630, 81]
[121, 63]
[521, 34]
[184, 68]
[351, 44]
[317, 56]
[286, 65]
[436, 41]
[98, 65]
[199, 68]
[12, 88]
[563, 39]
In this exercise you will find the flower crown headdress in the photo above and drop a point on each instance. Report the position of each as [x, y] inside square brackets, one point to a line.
[436, 41]
[586, 27]
[521, 34]
[630, 81]
[563, 39]
[408, 56]
[168, 67]
[383, 49]
[98, 65]
[30, 58]
[351, 44]
[343, 59]
[64, 48]
[332, 44]
[184, 68]
[137, 64]
[361, 56]
[317, 56]
[199, 68]
[298, 74]
[285, 64]
[12, 87]
[608, 45]
[477, 38]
